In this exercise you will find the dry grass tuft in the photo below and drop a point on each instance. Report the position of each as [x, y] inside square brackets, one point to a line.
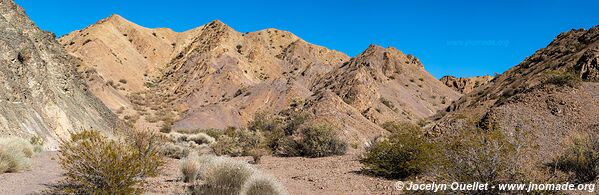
[15, 153]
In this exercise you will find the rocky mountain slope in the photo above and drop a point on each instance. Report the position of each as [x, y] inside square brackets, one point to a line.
[214, 77]
[548, 97]
[41, 93]
[465, 85]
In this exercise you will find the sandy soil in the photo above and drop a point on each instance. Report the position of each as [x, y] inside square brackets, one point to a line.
[44, 170]
[330, 175]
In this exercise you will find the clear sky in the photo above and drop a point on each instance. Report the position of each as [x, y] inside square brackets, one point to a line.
[462, 38]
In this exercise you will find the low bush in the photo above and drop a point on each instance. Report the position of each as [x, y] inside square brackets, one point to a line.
[174, 150]
[224, 176]
[15, 153]
[292, 137]
[215, 133]
[239, 142]
[321, 141]
[404, 153]
[560, 78]
[98, 164]
[190, 168]
[37, 143]
[262, 122]
[482, 155]
[147, 146]
[220, 175]
[286, 146]
[201, 138]
[179, 145]
[262, 185]
[581, 158]
[257, 153]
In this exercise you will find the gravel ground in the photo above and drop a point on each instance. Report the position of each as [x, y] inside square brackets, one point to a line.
[329, 175]
[44, 170]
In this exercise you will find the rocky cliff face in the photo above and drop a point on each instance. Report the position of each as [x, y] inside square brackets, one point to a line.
[214, 77]
[41, 93]
[465, 85]
[543, 100]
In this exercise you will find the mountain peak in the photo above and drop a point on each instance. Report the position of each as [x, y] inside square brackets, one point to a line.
[217, 22]
[116, 20]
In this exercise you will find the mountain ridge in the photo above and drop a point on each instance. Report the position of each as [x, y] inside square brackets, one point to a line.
[538, 104]
[212, 76]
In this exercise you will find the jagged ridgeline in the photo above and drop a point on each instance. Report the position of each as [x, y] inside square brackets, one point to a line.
[40, 92]
[540, 105]
[214, 77]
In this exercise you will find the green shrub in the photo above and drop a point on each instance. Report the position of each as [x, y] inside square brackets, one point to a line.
[239, 142]
[581, 158]
[404, 153]
[262, 185]
[483, 155]
[563, 79]
[14, 154]
[262, 122]
[285, 146]
[97, 164]
[320, 141]
[295, 122]
[166, 127]
[174, 150]
[147, 146]
[314, 141]
[215, 133]
[37, 143]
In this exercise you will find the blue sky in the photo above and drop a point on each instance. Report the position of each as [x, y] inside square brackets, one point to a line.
[462, 38]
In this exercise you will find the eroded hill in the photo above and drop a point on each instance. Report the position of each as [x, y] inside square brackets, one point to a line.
[465, 85]
[214, 77]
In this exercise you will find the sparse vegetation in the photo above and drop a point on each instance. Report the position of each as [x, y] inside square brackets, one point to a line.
[563, 78]
[288, 137]
[220, 175]
[225, 176]
[166, 127]
[484, 155]
[180, 145]
[96, 163]
[320, 141]
[387, 103]
[581, 159]
[239, 142]
[15, 153]
[190, 168]
[262, 185]
[404, 153]
[149, 84]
